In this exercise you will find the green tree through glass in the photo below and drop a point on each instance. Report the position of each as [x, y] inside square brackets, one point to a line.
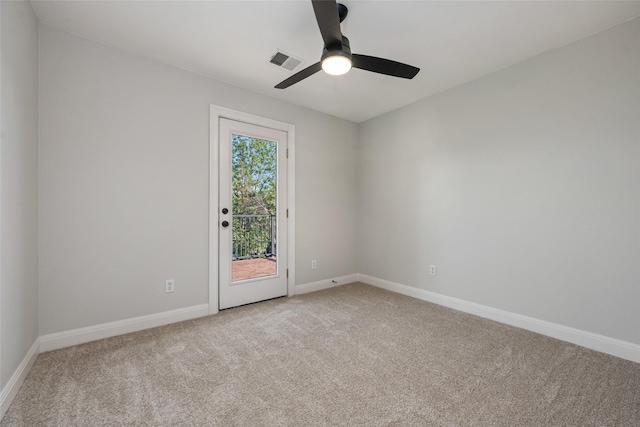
[254, 174]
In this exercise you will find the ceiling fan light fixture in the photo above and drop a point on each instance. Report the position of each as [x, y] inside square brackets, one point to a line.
[336, 57]
[336, 65]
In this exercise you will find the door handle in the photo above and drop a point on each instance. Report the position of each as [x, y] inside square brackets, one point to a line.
[225, 223]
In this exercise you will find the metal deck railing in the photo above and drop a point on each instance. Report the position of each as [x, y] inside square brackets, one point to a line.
[254, 236]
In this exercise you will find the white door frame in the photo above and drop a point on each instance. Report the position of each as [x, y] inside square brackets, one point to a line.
[217, 112]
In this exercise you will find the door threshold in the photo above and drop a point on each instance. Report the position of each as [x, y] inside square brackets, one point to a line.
[252, 303]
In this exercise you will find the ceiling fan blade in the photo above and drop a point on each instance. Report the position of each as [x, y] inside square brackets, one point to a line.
[300, 75]
[328, 22]
[384, 66]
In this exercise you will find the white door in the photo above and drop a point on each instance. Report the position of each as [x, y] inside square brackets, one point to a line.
[252, 217]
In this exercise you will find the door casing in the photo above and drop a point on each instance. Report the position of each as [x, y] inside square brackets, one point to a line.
[217, 112]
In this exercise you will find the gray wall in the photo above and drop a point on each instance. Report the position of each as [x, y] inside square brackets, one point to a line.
[19, 186]
[522, 187]
[124, 173]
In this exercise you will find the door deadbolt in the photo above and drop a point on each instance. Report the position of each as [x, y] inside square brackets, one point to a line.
[225, 211]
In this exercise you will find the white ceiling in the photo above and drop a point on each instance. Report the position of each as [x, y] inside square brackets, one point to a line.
[452, 42]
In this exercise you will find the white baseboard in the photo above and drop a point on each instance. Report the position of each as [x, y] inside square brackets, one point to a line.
[612, 346]
[111, 329]
[325, 284]
[17, 379]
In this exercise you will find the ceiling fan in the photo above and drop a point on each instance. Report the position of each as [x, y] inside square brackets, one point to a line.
[336, 56]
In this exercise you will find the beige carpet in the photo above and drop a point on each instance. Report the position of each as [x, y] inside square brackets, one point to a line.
[352, 355]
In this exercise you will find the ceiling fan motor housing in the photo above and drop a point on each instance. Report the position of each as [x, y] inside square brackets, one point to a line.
[344, 50]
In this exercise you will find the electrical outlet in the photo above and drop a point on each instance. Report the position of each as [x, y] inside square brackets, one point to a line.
[314, 265]
[432, 270]
[170, 285]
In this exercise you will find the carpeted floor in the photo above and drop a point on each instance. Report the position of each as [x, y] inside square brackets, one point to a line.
[353, 355]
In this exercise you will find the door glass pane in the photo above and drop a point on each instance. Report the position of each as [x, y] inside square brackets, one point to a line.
[254, 175]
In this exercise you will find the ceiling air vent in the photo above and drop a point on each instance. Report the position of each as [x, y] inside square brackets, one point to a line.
[284, 60]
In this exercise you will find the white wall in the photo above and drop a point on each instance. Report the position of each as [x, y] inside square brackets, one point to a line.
[522, 187]
[124, 149]
[18, 189]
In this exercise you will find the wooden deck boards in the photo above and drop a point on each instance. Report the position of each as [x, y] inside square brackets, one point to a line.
[251, 268]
